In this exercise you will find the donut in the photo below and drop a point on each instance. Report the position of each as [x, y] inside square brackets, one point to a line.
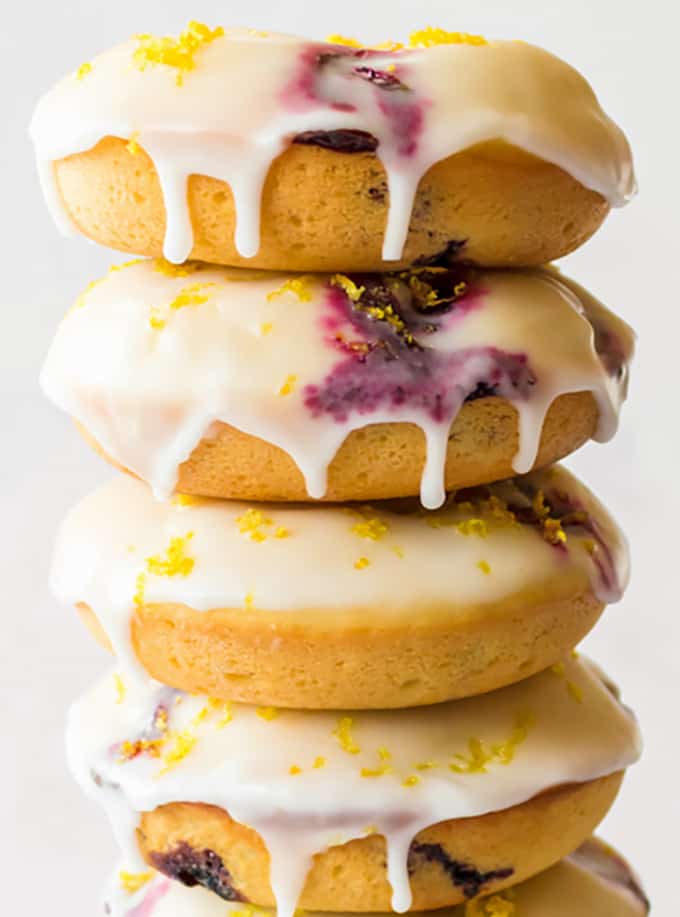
[342, 607]
[594, 881]
[250, 385]
[323, 156]
[373, 811]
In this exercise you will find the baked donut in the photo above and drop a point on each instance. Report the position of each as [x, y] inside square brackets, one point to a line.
[373, 811]
[324, 157]
[594, 881]
[255, 386]
[342, 607]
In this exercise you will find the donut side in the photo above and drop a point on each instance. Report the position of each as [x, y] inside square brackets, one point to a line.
[358, 660]
[323, 210]
[448, 862]
[382, 461]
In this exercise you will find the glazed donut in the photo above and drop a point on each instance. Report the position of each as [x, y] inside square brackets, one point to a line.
[342, 608]
[440, 804]
[323, 157]
[595, 881]
[255, 386]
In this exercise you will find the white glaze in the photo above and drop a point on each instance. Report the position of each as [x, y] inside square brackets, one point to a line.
[244, 766]
[464, 95]
[423, 563]
[149, 395]
[576, 887]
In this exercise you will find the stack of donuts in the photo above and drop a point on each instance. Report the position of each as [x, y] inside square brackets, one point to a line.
[342, 576]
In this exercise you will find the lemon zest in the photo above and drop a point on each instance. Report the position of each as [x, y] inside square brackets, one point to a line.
[343, 733]
[177, 53]
[133, 881]
[429, 37]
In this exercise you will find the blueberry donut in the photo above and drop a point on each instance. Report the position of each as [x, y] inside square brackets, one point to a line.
[368, 811]
[594, 881]
[342, 607]
[249, 385]
[329, 156]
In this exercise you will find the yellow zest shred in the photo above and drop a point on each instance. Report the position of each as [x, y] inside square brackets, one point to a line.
[178, 53]
[176, 561]
[484, 566]
[350, 288]
[130, 750]
[288, 386]
[343, 733]
[155, 319]
[373, 529]
[429, 37]
[120, 688]
[319, 762]
[133, 881]
[426, 765]
[343, 40]
[267, 713]
[249, 600]
[183, 744]
[498, 905]
[83, 71]
[251, 523]
[298, 286]
[480, 756]
[168, 269]
[140, 588]
[227, 716]
[473, 527]
[294, 770]
[266, 328]
[132, 146]
[412, 780]
[361, 563]
[186, 500]
[398, 551]
[383, 768]
[191, 295]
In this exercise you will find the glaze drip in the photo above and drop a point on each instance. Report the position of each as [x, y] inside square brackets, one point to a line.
[244, 768]
[411, 107]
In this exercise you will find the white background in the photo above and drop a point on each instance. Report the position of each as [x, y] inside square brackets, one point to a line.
[55, 848]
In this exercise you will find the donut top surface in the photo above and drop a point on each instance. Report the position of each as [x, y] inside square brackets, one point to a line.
[152, 355]
[542, 536]
[308, 780]
[418, 105]
[594, 882]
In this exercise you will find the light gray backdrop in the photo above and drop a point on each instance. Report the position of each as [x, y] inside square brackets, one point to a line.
[55, 848]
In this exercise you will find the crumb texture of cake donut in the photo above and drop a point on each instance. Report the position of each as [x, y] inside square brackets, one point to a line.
[233, 600]
[322, 156]
[595, 881]
[251, 385]
[373, 811]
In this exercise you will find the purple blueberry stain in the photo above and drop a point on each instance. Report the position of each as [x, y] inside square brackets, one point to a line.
[383, 329]
[403, 114]
[470, 880]
[193, 867]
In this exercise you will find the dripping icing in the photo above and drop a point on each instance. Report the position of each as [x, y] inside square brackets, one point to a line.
[292, 87]
[245, 768]
[149, 396]
[573, 887]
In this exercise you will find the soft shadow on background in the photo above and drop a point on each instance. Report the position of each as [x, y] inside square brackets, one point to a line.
[55, 848]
